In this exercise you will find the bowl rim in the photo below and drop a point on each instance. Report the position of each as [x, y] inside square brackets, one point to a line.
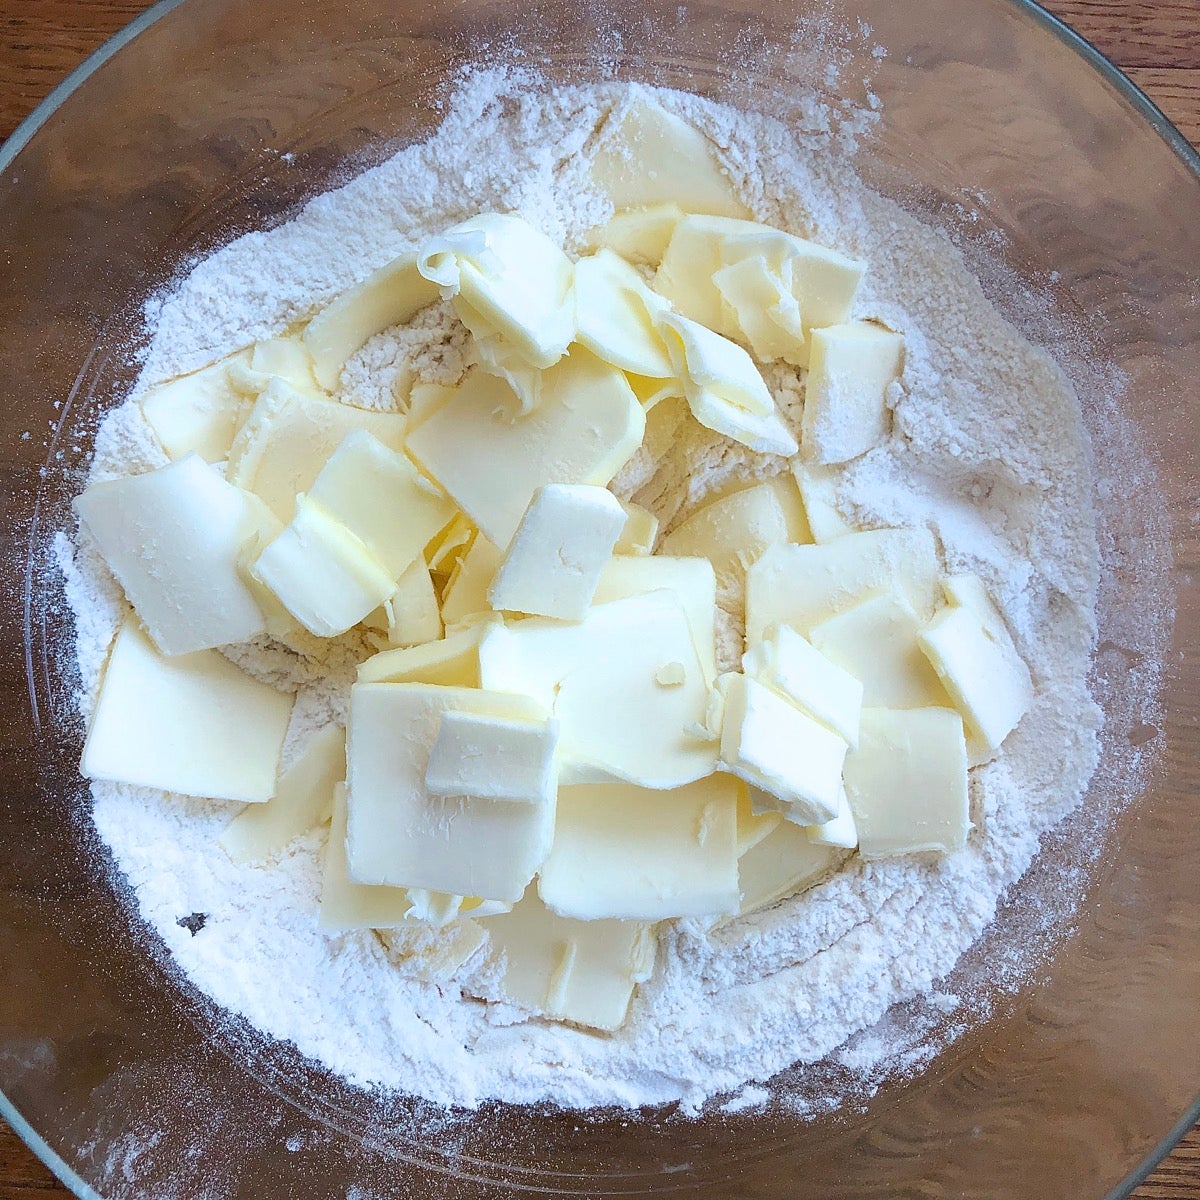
[1158, 121]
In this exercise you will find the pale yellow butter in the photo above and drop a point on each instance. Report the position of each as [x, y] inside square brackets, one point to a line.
[638, 234]
[640, 531]
[199, 413]
[615, 316]
[818, 488]
[451, 662]
[781, 864]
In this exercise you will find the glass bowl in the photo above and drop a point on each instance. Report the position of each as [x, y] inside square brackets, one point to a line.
[209, 117]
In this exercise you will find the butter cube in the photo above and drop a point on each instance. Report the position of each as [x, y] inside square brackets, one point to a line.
[599, 679]
[585, 430]
[579, 971]
[198, 413]
[845, 397]
[403, 836]
[509, 282]
[303, 800]
[777, 748]
[723, 387]
[378, 495]
[876, 642]
[614, 315]
[759, 303]
[493, 758]
[983, 673]
[192, 723]
[651, 156]
[290, 435]
[466, 594]
[553, 565]
[410, 616]
[690, 580]
[172, 539]
[801, 586]
[639, 234]
[392, 295]
[640, 531]
[841, 831]
[451, 662]
[734, 530]
[622, 851]
[791, 666]
[288, 359]
[907, 782]
[818, 488]
[781, 864]
[322, 574]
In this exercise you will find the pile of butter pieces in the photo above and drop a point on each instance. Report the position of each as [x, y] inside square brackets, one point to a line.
[542, 762]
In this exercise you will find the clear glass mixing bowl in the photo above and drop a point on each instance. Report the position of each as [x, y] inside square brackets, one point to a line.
[209, 117]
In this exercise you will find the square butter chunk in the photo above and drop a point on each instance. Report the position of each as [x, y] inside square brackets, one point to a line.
[775, 747]
[907, 782]
[403, 836]
[818, 487]
[986, 678]
[640, 531]
[199, 413]
[379, 495]
[845, 396]
[841, 831]
[491, 458]
[801, 586]
[788, 664]
[780, 864]
[626, 852]
[290, 435]
[876, 642]
[192, 723]
[625, 683]
[172, 539]
[579, 971]
[322, 574]
[453, 661]
[553, 565]
[493, 758]
[303, 800]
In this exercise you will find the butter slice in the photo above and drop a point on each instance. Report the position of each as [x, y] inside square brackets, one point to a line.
[288, 359]
[979, 666]
[172, 538]
[818, 488]
[410, 615]
[640, 531]
[907, 782]
[191, 723]
[392, 295]
[402, 836]
[553, 565]
[876, 642]
[466, 594]
[801, 586]
[493, 758]
[290, 435]
[775, 747]
[759, 303]
[451, 662]
[198, 413]
[822, 282]
[754, 821]
[378, 495]
[734, 530]
[655, 157]
[845, 397]
[509, 281]
[690, 580]
[587, 427]
[723, 387]
[780, 865]
[303, 800]
[614, 315]
[639, 234]
[322, 574]
[418, 950]
[791, 666]
[599, 679]
[579, 971]
[622, 851]
[840, 832]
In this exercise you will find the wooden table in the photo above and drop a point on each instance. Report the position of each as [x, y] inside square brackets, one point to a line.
[1156, 42]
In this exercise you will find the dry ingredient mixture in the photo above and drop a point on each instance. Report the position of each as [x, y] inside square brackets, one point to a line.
[986, 449]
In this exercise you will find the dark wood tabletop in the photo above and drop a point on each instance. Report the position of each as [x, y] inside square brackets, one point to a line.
[1156, 43]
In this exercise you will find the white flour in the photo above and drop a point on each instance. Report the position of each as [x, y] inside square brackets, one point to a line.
[988, 450]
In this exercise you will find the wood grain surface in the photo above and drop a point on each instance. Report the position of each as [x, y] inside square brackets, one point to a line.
[1157, 42]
